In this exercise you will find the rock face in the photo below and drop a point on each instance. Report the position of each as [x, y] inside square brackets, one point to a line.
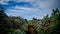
[5, 24]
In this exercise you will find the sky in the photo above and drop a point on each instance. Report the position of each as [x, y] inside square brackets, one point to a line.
[29, 8]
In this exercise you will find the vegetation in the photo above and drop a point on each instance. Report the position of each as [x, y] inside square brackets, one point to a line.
[18, 25]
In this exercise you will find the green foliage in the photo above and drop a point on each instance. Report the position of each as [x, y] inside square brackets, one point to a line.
[18, 25]
[53, 28]
[16, 31]
[50, 25]
[5, 24]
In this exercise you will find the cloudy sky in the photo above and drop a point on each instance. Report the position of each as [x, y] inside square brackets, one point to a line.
[29, 8]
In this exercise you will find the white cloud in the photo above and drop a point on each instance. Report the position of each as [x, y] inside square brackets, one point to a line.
[44, 4]
[23, 9]
[27, 12]
[5, 2]
[31, 12]
[24, 0]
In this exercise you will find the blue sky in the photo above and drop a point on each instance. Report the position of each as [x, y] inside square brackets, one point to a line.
[29, 8]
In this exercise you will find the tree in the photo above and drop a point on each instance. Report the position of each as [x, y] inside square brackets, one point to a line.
[34, 18]
[5, 24]
[54, 28]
